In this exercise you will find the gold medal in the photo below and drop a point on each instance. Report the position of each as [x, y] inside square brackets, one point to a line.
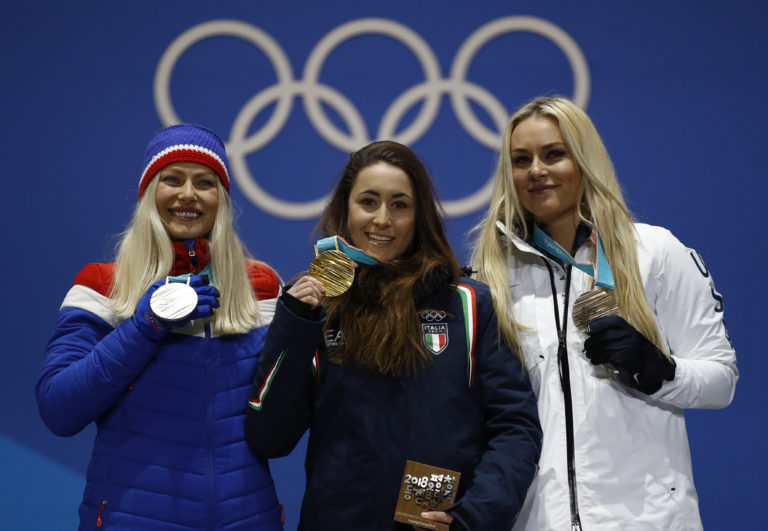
[592, 305]
[335, 270]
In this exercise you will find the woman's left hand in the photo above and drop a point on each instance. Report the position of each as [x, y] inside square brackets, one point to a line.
[639, 363]
[437, 516]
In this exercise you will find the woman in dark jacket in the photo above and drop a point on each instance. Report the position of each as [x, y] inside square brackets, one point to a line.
[405, 365]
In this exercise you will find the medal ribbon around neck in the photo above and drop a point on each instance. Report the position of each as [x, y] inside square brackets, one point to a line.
[591, 304]
[337, 243]
[601, 271]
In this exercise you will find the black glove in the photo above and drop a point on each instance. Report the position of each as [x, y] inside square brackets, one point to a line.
[640, 364]
[155, 328]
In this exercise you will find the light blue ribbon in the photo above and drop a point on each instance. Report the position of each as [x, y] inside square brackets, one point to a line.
[604, 276]
[183, 278]
[337, 243]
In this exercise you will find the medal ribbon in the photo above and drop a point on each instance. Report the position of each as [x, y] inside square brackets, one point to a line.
[338, 243]
[183, 278]
[601, 271]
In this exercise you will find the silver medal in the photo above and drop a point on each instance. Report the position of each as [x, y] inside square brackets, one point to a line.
[173, 301]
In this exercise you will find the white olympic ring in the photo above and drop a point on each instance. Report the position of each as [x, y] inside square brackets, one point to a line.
[313, 92]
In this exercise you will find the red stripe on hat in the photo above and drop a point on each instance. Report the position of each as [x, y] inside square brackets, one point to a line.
[184, 155]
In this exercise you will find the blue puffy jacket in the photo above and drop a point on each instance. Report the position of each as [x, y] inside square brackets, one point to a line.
[170, 450]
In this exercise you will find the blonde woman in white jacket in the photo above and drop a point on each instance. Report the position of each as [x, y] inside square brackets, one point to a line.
[611, 397]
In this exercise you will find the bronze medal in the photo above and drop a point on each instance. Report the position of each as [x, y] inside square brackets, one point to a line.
[335, 270]
[592, 305]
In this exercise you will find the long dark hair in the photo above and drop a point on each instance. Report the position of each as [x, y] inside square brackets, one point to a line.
[378, 316]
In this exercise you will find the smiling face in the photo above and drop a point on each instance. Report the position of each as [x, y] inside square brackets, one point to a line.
[546, 176]
[382, 211]
[187, 198]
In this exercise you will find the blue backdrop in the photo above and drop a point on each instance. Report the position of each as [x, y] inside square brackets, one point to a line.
[677, 90]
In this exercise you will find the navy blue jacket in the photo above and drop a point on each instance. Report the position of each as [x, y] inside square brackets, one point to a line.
[471, 410]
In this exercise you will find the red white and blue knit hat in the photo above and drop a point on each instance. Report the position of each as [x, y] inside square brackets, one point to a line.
[185, 143]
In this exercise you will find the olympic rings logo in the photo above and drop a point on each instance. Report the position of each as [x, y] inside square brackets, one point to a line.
[433, 315]
[312, 92]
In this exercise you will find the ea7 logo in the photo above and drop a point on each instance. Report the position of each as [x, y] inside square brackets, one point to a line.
[435, 336]
[332, 338]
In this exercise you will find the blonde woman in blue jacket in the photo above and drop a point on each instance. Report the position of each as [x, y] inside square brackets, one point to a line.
[167, 395]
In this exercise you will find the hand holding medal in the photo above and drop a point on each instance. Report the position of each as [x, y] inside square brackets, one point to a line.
[334, 270]
[172, 302]
[613, 343]
[334, 264]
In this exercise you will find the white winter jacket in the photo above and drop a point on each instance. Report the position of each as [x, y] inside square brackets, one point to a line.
[631, 460]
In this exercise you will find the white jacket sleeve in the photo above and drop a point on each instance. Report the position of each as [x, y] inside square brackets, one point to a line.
[690, 316]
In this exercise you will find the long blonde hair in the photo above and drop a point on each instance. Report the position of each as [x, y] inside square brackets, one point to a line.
[601, 205]
[145, 255]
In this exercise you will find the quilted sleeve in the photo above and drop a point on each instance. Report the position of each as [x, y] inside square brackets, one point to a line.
[90, 359]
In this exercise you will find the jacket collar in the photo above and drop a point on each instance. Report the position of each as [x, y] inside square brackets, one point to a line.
[190, 256]
[515, 238]
[425, 289]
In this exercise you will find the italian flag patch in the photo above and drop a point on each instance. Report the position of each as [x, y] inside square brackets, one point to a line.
[435, 336]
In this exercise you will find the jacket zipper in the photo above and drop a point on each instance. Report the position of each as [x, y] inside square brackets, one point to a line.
[116, 416]
[565, 384]
[101, 508]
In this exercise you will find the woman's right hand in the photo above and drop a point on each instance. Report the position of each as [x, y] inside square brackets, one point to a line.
[308, 290]
[155, 328]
